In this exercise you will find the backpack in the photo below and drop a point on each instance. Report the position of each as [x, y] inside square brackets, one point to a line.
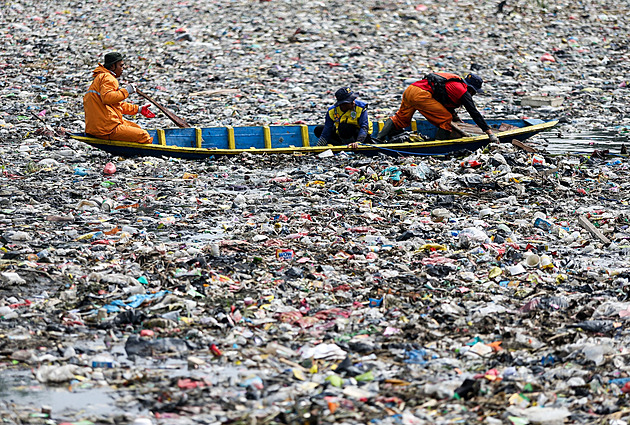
[438, 85]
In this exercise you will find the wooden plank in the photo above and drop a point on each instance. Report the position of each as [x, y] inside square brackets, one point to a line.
[305, 141]
[506, 127]
[161, 137]
[198, 137]
[267, 136]
[458, 129]
[523, 146]
[467, 128]
[231, 139]
[585, 222]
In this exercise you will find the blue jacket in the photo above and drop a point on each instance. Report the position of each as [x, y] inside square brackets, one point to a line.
[357, 116]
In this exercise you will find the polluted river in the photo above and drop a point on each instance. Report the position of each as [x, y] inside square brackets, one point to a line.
[485, 286]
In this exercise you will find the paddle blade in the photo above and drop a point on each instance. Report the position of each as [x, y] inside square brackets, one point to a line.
[180, 122]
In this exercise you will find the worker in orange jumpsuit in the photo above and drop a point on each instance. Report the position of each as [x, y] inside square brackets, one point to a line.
[436, 97]
[104, 107]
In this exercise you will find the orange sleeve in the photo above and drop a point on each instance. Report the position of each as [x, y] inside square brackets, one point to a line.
[110, 93]
[129, 108]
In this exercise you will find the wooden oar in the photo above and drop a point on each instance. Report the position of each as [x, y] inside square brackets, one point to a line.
[523, 146]
[177, 120]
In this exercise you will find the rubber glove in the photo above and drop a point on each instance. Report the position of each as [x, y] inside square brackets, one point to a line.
[322, 142]
[144, 110]
[493, 137]
[130, 88]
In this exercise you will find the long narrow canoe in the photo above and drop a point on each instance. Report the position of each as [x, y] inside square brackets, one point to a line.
[200, 143]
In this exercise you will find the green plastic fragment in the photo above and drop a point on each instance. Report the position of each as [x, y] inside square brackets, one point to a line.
[515, 420]
[367, 376]
[335, 381]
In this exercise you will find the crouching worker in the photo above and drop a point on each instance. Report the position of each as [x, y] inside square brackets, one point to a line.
[104, 107]
[436, 97]
[346, 121]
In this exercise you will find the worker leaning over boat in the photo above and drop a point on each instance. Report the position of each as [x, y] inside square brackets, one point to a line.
[346, 122]
[104, 107]
[437, 96]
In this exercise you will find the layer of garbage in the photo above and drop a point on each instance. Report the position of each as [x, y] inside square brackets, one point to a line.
[482, 287]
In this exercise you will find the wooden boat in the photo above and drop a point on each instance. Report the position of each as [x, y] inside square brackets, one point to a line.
[200, 143]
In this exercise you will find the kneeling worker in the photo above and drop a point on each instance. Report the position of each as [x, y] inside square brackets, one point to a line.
[436, 97]
[346, 121]
[104, 107]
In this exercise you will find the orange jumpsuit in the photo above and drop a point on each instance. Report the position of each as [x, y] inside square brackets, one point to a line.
[418, 97]
[104, 108]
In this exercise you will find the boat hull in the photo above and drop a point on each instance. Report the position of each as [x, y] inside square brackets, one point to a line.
[201, 143]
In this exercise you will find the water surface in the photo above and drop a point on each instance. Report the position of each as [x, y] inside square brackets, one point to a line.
[586, 142]
[21, 388]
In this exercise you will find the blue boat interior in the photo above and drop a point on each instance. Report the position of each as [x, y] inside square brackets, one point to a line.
[282, 136]
[183, 142]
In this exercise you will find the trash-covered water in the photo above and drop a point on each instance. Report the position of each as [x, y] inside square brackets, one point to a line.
[486, 287]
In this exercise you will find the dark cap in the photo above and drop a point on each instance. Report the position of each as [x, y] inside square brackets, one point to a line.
[474, 81]
[344, 95]
[112, 58]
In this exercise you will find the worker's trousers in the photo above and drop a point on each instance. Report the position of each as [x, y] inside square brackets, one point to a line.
[415, 99]
[129, 132]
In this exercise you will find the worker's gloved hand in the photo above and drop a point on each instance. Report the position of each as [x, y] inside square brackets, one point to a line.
[493, 138]
[130, 88]
[322, 142]
[144, 110]
[361, 138]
